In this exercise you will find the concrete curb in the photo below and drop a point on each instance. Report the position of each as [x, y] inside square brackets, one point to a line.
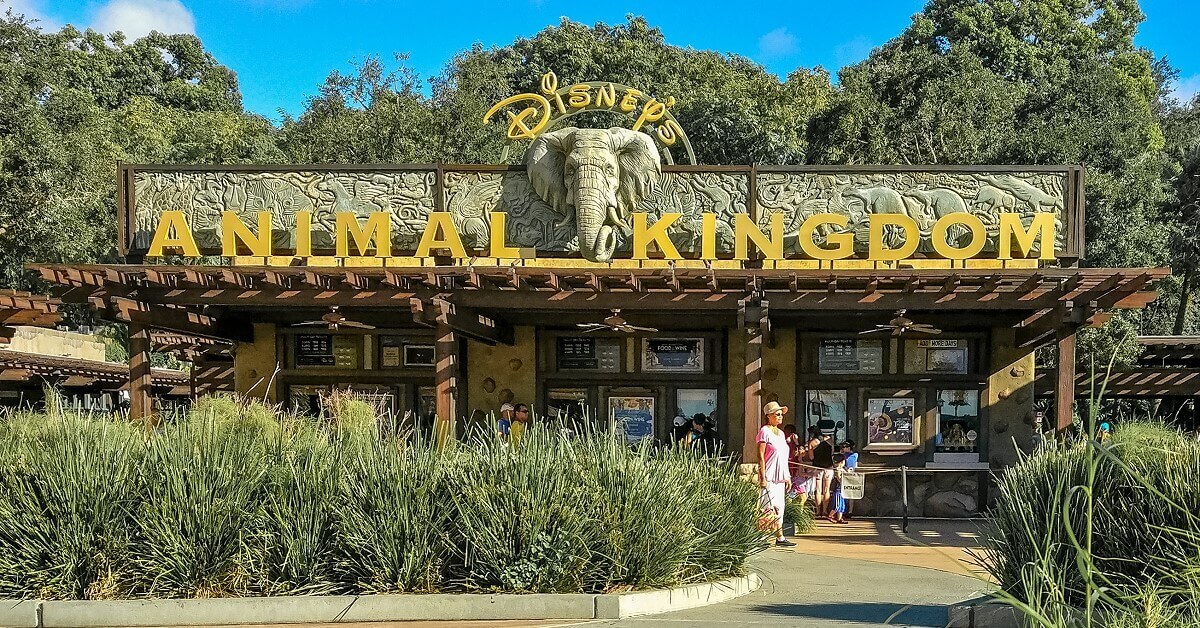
[366, 608]
[982, 613]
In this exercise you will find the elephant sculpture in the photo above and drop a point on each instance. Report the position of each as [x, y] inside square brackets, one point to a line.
[597, 175]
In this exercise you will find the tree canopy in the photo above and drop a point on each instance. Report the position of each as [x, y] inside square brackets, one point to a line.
[967, 82]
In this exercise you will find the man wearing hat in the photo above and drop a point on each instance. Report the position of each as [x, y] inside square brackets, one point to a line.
[504, 425]
[773, 473]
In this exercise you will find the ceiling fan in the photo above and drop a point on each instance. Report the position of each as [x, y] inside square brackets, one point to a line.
[902, 324]
[334, 320]
[614, 322]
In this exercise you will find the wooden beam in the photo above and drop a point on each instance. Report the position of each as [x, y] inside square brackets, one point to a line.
[15, 375]
[140, 383]
[464, 320]
[446, 382]
[1064, 389]
[752, 393]
[175, 319]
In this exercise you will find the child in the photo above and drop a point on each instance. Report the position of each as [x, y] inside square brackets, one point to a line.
[849, 463]
[837, 511]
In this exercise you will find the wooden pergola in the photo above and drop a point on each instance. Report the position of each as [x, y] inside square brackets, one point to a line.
[23, 308]
[214, 302]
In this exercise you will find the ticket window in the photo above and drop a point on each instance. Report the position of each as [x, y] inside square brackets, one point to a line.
[957, 436]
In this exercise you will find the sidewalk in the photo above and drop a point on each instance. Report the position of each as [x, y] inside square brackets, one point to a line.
[942, 545]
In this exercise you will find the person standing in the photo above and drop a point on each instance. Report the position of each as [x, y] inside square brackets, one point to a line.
[849, 465]
[520, 423]
[773, 473]
[504, 425]
[822, 458]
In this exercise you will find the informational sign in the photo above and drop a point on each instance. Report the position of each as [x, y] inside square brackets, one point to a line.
[693, 401]
[345, 351]
[633, 417]
[958, 421]
[937, 343]
[826, 410]
[419, 355]
[314, 350]
[946, 361]
[850, 356]
[389, 357]
[890, 421]
[580, 353]
[673, 355]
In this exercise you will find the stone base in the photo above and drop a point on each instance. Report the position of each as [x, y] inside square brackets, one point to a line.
[943, 494]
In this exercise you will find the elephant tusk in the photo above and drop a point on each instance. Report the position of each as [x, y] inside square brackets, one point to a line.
[616, 220]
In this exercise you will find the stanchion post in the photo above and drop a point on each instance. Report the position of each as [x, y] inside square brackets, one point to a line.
[904, 498]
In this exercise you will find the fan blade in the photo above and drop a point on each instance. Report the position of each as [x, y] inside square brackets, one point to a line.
[923, 328]
[591, 326]
[632, 328]
[878, 328]
[356, 324]
[309, 323]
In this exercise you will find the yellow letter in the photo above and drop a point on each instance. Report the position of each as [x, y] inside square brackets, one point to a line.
[378, 228]
[440, 234]
[606, 96]
[173, 232]
[498, 247]
[580, 96]
[653, 112]
[233, 230]
[668, 132]
[304, 234]
[970, 221]
[843, 241]
[912, 237]
[1040, 228]
[745, 230]
[629, 101]
[643, 236]
[708, 236]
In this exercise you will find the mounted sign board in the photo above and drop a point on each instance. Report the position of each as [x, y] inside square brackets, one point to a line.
[673, 355]
[849, 356]
[882, 214]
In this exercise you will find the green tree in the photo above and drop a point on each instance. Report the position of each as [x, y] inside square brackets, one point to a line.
[74, 103]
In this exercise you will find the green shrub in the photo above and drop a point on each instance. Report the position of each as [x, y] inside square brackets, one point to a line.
[800, 515]
[233, 499]
[1134, 545]
[67, 487]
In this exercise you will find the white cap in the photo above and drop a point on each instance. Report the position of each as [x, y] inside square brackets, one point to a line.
[508, 407]
[680, 421]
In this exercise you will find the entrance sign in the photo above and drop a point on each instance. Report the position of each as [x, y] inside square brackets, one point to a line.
[532, 113]
[495, 211]
[633, 417]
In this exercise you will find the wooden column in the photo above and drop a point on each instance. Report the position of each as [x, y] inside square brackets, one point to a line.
[446, 382]
[1064, 388]
[753, 394]
[140, 403]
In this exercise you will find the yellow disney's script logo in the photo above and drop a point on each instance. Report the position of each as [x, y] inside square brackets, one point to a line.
[553, 103]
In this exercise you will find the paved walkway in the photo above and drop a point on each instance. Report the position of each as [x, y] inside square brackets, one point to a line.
[865, 574]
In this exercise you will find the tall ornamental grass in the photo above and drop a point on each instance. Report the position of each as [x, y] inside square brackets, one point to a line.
[235, 499]
[1091, 533]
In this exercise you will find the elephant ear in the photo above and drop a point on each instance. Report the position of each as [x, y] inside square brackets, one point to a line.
[545, 161]
[638, 164]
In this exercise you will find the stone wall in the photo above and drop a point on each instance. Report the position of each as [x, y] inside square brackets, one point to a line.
[255, 362]
[54, 342]
[501, 374]
[952, 494]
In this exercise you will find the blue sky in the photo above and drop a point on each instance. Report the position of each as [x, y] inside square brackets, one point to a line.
[283, 49]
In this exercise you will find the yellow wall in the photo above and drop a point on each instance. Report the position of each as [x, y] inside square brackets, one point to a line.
[255, 362]
[779, 372]
[1009, 399]
[56, 343]
[512, 372]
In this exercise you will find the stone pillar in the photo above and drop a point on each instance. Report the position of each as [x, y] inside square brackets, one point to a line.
[446, 382]
[141, 405]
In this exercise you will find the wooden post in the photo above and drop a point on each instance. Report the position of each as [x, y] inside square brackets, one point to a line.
[446, 382]
[1064, 389]
[753, 393]
[140, 403]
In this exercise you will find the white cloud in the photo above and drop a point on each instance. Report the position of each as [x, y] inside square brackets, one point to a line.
[776, 44]
[32, 10]
[1186, 88]
[136, 18]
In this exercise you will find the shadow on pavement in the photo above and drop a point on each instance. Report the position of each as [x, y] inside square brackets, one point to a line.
[866, 612]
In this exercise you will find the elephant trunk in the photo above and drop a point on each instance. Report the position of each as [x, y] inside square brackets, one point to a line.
[595, 211]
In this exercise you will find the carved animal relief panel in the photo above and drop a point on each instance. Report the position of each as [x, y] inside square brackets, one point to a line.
[925, 197]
